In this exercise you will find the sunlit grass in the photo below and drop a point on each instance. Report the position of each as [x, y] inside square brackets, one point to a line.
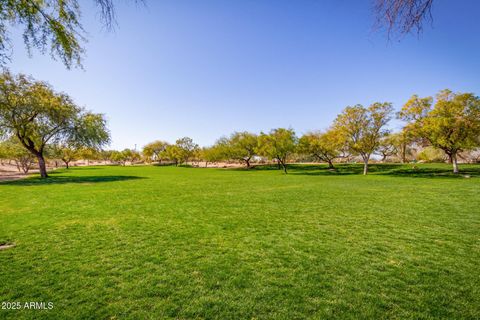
[166, 242]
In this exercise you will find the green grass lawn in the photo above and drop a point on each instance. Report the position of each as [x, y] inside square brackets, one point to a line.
[165, 242]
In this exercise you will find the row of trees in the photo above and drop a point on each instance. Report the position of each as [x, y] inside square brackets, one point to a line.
[450, 123]
[37, 122]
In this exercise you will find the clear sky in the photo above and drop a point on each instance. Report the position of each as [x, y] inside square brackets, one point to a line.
[206, 68]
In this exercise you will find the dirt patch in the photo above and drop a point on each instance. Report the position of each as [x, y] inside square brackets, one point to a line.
[8, 176]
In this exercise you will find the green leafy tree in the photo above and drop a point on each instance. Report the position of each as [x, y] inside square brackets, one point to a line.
[37, 115]
[89, 154]
[52, 26]
[11, 149]
[128, 155]
[172, 153]
[388, 146]
[363, 128]
[324, 146]
[278, 144]
[242, 146]
[452, 124]
[119, 157]
[432, 154]
[154, 149]
[186, 149]
[212, 154]
[105, 155]
[66, 153]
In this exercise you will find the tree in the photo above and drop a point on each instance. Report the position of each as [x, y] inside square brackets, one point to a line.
[402, 16]
[66, 153]
[13, 150]
[87, 153]
[388, 146]
[451, 124]
[37, 115]
[212, 154]
[242, 146]
[154, 149]
[126, 155]
[278, 144]
[172, 153]
[49, 25]
[106, 155]
[186, 148]
[118, 157]
[324, 146]
[432, 154]
[363, 128]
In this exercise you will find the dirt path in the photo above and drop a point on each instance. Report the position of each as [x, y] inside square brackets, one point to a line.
[7, 176]
[10, 172]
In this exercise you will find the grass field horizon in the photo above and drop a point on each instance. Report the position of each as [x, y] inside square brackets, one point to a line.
[158, 242]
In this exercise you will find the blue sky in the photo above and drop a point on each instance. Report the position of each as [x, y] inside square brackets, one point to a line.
[207, 68]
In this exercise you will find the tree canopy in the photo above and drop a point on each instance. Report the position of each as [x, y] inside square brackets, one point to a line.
[324, 146]
[37, 115]
[242, 146]
[153, 150]
[452, 124]
[362, 128]
[50, 26]
[277, 144]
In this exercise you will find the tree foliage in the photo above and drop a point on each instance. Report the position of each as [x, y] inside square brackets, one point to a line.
[185, 150]
[278, 144]
[363, 128]
[153, 150]
[65, 152]
[452, 124]
[241, 146]
[37, 115]
[51, 26]
[324, 146]
[213, 154]
[11, 149]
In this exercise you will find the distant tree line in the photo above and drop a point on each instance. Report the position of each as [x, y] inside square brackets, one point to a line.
[38, 124]
[446, 127]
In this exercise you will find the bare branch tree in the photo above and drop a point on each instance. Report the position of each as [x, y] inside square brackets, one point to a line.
[400, 17]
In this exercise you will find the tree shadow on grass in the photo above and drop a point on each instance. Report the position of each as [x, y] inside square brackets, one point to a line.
[395, 170]
[60, 179]
[432, 172]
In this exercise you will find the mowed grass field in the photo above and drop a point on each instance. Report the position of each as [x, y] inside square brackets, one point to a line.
[152, 242]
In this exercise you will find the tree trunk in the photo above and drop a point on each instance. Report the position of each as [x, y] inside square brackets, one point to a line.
[454, 163]
[41, 165]
[365, 165]
[248, 162]
[330, 164]
[450, 157]
[283, 164]
[384, 157]
[404, 153]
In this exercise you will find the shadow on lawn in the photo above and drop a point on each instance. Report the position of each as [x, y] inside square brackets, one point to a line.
[396, 170]
[60, 179]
